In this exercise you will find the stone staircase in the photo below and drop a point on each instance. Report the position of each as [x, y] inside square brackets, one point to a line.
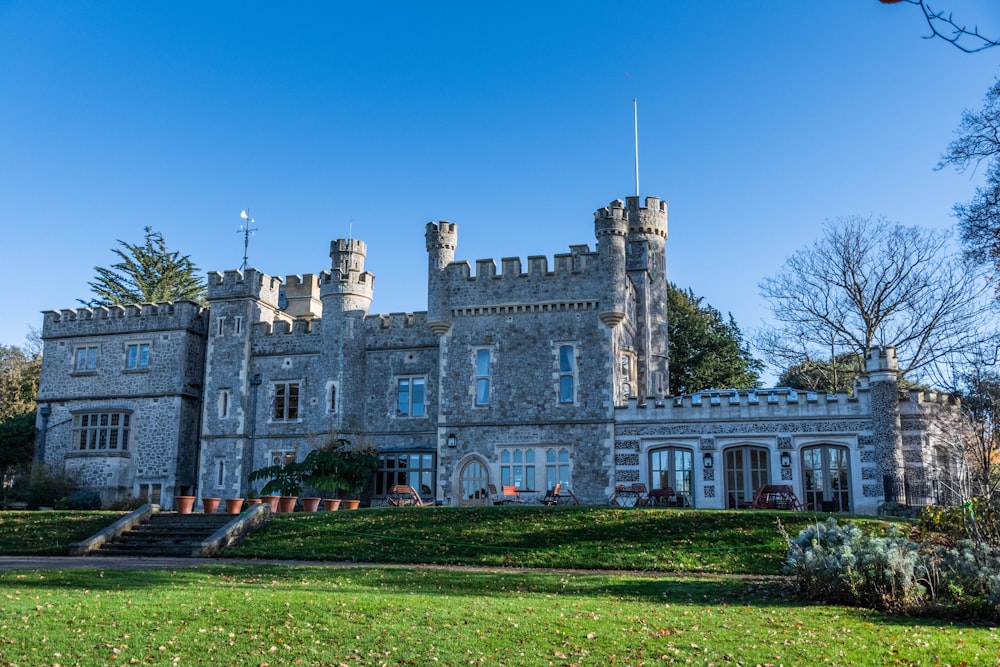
[149, 532]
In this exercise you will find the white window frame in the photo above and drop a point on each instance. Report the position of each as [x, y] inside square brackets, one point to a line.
[238, 325]
[220, 326]
[519, 467]
[101, 430]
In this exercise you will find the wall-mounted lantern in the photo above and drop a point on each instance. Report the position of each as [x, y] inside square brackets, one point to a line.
[451, 440]
[786, 460]
[708, 460]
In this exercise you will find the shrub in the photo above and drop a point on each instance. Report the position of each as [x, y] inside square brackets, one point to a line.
[841, 564]
[976, 520]
[84, 499]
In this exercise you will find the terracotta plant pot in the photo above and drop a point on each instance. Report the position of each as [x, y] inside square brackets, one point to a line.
[184, 504]
[210, 505]
[350, 504]
[272, 502]
[286, 504]
[310, 504]
[234, 505]
[255, 501]
[331, 504]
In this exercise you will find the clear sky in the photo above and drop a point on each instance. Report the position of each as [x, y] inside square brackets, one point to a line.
[757, 121]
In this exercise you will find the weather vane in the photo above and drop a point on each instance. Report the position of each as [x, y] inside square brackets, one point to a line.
[247, 230]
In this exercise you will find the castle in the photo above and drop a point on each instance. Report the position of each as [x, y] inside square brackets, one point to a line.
[528, 375]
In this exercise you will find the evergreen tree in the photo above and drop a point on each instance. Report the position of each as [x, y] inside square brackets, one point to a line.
[823, 376]
[706, 350]
[147, 273]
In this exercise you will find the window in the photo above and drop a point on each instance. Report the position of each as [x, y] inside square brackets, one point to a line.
[557, 467]
[220, 473]
[86, 358]
[238, 325]
[482, 377]
[286, 401]
[137, 356]
[101, 430]
[517, 468]
[410, 397]
[224, 403]
[331, 405]
[827, 480]
[220, 326]
[414, 469]
[673, 468]
[282, 457]
[567, 374]
[746, 471]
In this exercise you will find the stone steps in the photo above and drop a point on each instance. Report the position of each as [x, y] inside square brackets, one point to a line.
[166, 534]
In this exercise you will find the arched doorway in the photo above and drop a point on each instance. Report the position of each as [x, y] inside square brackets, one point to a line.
[673, 467]
[746, 470]
[473, 483]
[826, 478]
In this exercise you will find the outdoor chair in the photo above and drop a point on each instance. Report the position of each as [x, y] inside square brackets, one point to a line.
[510, 495]
[552, 495]
[402, 495]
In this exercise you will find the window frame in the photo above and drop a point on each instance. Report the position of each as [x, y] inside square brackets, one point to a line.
[483, 376]
[422, 476]
[110, 433]
[519, 467]
[287, 404]
[91, 360]
[566, 376]
[136, 363]
[410, 381]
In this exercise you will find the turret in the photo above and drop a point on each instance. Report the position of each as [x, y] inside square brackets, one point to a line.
[611, 229]
[346, 287]
[883, 379]
[442, 238]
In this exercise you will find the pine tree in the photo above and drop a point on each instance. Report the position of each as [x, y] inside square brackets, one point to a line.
[706, 350]
[147, 273]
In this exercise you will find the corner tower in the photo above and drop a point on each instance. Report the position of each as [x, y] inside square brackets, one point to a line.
[646, 263]
[346, 287]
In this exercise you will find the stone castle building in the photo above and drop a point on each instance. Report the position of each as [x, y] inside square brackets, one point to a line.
[526, 375]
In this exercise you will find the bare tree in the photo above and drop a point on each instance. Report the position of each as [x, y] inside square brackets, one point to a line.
[944, 26]
[869, 282]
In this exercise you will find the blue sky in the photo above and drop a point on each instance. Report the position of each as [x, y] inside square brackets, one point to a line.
[757, 121]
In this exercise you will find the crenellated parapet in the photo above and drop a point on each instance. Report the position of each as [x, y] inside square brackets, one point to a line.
[612, 220]
[250, 283]
[759, 404]
[572, 276]
[120, 319]
[302, 296]
[648, 219]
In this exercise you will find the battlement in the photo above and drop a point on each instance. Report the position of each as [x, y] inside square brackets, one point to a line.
[441, 235]
[302, 296]
[611, 220]
[928, 397]
[286, 327]
[399, 320]
[250, 283]
[580, 259]
[348, 246]
[881, 359]
[780, 402]
[650, 219]
[132, 318]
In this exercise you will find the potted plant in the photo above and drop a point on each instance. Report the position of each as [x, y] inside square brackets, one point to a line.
[184, 504]
[234, 505]
[210, 505]
[341, 470]
[285, 479]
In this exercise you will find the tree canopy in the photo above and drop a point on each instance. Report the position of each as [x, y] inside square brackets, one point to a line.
[19, 374]
[867, 282]
[706, 350]
[147, 273]
[822, 375]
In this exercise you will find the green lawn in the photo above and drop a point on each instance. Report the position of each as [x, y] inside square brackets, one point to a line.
[265, 614]
[48, 533]
[270, 615]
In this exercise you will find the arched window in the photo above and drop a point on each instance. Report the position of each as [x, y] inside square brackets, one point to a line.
[826, 478]
[557, 467]
[673, 467]
[746, 471]
[473, 484]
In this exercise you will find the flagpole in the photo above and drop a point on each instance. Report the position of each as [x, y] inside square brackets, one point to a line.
[635, 115]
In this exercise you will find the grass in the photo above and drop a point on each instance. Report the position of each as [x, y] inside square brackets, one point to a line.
[48, 533]
[271, 615]
[725, 611]
[733, 542]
